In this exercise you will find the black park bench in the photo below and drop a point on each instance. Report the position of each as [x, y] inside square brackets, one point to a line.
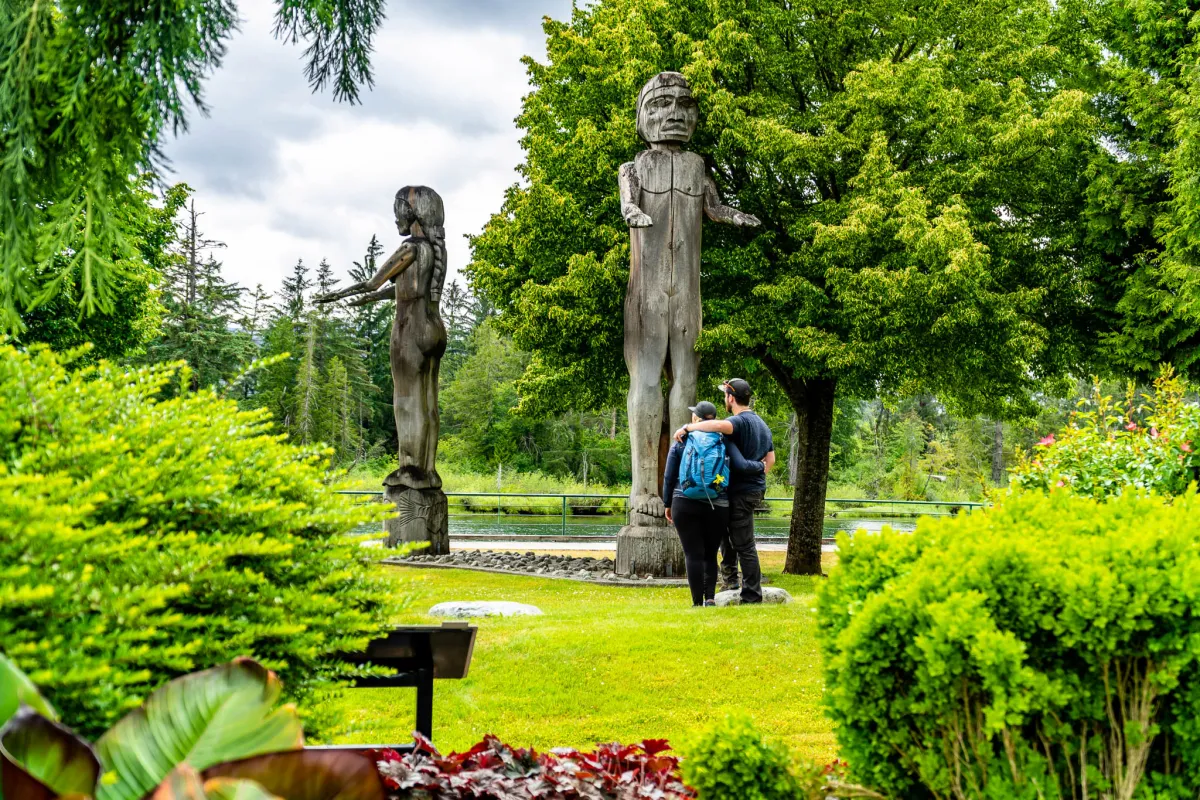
[419, 654]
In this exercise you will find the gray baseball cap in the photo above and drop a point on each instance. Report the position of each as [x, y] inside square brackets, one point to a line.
[704, 410]
[737, 387]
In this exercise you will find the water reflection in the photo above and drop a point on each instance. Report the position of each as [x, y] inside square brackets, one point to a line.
[489, 526]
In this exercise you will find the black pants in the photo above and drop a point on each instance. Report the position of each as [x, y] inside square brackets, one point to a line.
[700, 527]
[738, 547]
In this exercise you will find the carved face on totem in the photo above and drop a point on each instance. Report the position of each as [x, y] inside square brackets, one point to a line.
[667, 112]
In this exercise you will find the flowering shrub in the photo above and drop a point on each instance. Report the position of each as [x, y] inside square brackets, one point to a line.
[1112, 446]
[491, 770]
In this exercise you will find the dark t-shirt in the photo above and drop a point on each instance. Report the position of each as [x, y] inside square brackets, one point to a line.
[753, 438]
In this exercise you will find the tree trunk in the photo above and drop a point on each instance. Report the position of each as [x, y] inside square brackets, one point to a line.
[793, 450]
[812, 400]
[998, 454]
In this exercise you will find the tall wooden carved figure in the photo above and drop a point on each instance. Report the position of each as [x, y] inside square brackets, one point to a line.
[665, 194]
[413, 276]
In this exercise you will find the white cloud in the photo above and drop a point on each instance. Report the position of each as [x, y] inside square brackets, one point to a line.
[284, 174]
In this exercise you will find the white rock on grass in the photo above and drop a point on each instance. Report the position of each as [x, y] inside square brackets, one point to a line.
[484, 608]
[771, 594]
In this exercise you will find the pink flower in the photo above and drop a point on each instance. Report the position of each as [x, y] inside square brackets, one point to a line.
[1060, 483]
[1049, 440]
[1154, 433]
[1186, 447]
[1132, 426]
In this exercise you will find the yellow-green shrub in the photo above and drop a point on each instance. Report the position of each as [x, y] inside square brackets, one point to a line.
[1047, 647]
[143, 538]
[731, 759]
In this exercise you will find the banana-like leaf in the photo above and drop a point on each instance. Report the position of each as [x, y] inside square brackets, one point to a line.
[183, 783]
[17, 784]
[309, 774]
[49, 753]
[233, 789]
[205, 718]
[15, 689]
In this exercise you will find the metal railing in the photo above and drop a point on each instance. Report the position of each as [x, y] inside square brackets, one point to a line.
[594, 513]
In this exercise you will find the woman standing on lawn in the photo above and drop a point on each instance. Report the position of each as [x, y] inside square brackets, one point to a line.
[701, 523]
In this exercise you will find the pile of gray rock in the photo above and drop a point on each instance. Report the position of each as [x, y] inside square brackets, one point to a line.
[532, 563]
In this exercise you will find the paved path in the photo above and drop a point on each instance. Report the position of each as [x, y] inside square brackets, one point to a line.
[609, 547]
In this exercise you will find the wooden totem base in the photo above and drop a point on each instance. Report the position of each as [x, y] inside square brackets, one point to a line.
[650, 550]
[422, 515]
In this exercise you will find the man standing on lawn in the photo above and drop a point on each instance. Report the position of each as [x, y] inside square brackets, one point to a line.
[753, 438]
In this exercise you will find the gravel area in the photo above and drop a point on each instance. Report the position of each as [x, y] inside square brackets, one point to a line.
[550, 566]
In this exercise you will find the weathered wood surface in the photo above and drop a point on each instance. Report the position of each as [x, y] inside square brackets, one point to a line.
[650, 550]
[665, 194]
[422, 515]
[417, 272]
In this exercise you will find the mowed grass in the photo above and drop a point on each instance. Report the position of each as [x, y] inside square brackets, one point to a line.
[609, 664]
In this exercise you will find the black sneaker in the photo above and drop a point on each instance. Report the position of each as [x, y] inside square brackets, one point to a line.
[710, 603]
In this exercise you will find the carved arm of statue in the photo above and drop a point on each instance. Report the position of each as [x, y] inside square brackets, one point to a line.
[718, 212]
[631, 188]
[398, 262]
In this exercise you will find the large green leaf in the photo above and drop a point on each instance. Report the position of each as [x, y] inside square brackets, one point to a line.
[15, 689]
[182, 783]
[49, 753]
[205, 718]
[20, 785]
[309, 774]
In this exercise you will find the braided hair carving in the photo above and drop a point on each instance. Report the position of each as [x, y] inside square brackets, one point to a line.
[425, 205]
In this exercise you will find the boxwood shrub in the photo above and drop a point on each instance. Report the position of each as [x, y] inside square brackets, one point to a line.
[1044, 648]
[142, 538]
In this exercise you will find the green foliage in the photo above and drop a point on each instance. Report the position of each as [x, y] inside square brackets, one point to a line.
[142, 538]
[222, 714]
[917, 227]
[88, 93]
[731, 758]
[200, 311]
[1142, 195]
[219, 733]
[16, 690]
[1117, 446]
[1044, 648]
[320, 382]
[136, 313]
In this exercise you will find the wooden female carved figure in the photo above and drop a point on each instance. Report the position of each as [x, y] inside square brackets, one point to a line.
[417, 271]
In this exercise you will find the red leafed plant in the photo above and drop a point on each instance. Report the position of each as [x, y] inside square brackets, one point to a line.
[491, 770]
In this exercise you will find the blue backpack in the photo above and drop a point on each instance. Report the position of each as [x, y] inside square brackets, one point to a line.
[704, 469]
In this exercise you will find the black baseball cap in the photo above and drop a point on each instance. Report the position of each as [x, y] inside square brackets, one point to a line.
[738, 388]
[704, 410]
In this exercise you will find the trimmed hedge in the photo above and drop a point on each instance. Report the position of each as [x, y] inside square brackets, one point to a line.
[1045, 648]
[143, 538]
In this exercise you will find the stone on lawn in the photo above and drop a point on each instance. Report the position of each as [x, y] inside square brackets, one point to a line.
[484, 608]
[771, 594]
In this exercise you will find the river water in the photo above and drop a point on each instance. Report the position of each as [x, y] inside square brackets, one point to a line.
[487, 526]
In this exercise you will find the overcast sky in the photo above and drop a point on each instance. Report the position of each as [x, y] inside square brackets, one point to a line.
[282, 173]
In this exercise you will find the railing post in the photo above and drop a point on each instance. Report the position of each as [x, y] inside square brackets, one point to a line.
[564, 520]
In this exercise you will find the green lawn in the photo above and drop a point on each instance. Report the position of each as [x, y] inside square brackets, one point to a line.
[609, 664]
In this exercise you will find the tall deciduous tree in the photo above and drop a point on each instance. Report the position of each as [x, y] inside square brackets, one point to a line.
[917, 170]
[1144, 199]
[89, 89]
